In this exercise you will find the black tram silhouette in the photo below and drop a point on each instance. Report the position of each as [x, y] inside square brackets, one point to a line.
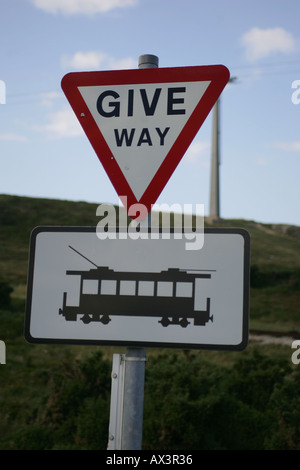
[169, 295]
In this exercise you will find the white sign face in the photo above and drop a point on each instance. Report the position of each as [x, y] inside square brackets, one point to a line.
[146, 291]
[140, 123]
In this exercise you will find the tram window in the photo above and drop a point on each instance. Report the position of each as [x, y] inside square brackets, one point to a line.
[146, 288]
[90, 286]
[184, 289]
[127, 287]
[165, 289]
[108, 287]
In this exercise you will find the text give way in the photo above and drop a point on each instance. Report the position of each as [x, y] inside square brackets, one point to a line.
[136, 119]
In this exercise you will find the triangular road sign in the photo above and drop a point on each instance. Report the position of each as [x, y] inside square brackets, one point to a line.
[141, 122]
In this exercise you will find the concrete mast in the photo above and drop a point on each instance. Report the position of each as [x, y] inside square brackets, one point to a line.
[214, 203]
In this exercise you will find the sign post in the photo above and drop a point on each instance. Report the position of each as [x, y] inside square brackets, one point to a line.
[152, 292]
[140, 124]
[135, 360]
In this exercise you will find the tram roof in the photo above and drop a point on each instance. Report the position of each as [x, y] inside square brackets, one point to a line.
[172, 274]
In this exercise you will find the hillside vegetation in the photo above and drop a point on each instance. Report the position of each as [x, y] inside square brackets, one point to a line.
[58, 396]
[275, 254]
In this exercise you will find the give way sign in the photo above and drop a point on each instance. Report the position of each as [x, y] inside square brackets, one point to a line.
[141, 122]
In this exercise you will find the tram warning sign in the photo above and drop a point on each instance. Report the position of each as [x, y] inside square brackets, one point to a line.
[128, 291]
[141, 122]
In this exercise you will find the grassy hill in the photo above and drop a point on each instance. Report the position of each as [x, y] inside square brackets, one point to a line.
[275, 254]
[58, 396]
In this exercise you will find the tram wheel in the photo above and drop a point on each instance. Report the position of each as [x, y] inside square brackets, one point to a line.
[184, 322]
[86, 318]
[105, 319]
[165, 321]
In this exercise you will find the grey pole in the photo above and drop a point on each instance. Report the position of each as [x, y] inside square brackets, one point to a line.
[214, 205]
[133, 399]
[148, 61]
[135, 359]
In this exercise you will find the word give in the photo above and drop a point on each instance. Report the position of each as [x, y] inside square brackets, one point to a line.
[139, 103]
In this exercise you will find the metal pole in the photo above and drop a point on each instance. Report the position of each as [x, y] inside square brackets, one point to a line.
[214, 206]
[135, 358]
[148, 61]
[133, 399]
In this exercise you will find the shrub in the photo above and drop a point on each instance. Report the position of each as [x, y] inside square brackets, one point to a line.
[189, 404]
[75, 414]
[5, 291]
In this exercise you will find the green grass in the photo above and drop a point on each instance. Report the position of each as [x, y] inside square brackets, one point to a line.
[275, 251]
[29, 382]
[51, 398]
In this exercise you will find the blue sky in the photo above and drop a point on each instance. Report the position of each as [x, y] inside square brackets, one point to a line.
[43, 152]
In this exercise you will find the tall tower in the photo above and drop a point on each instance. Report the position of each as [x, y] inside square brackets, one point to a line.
[214, 203]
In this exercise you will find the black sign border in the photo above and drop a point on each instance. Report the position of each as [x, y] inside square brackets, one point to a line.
[89, 229]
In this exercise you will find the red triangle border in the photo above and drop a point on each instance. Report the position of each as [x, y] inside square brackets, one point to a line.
[218, 75]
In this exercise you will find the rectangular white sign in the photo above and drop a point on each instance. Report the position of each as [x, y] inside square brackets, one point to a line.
[145, 290]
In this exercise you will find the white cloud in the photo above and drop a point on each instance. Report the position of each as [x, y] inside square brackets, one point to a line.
[198, 151]
[262, 161]
[61, 124]
[260, 43]
[121, 64]
[288, 146]
[86, 7]
[95, 60]
[11, 137]
[83, 60]
[48, 98]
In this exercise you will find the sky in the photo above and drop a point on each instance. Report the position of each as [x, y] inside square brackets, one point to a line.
[44, 152]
